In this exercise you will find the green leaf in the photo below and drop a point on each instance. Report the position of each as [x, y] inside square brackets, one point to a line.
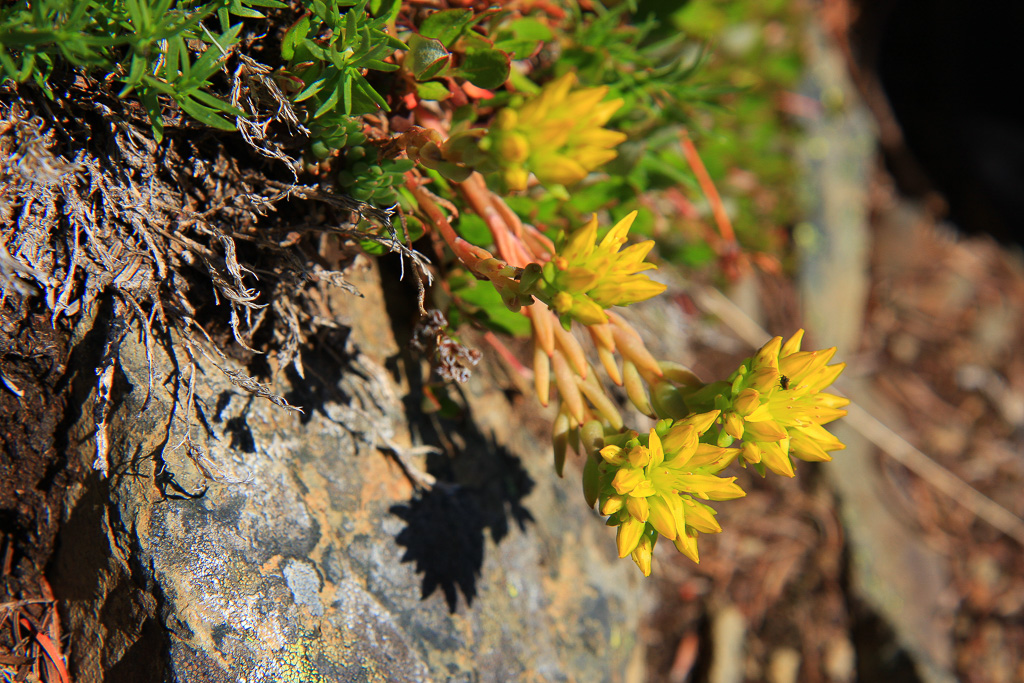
[139, 13]
[315, 49]
[204, 114]
[176, 55]
[151, 103]
[339, 59]
[210, 61]
[385, 10]
[473, 229]
[215, 102]
[294, 36]
[484, 68]
[238, 10]
[346, 94]
[432, 90]
[521, 38]
[330, 102]
[490, 310]
[367, 89]
[135, 74]
[310, 90]
[426, 58]
[375, 64]
[373, 248]
[401, 165]
[447, 25]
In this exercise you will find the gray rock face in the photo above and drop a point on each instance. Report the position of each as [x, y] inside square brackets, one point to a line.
[324, 563]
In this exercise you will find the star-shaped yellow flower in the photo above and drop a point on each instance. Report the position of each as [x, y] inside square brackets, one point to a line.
[649, 487]
[778, 406]
[558, 135]
[585, 277]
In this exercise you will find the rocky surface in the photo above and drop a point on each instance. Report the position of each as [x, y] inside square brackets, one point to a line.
[324, 563]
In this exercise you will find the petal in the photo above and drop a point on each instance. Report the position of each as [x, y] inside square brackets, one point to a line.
[580, 104]
[616, 237]
[624, 293]
[681, 439]
[711, 459]
[747, 402]
[613, 455]
[638, 507]
[626, 479]
[603, 111]
[560, 170]
[701, 517]
[655, 449]
[581, 242]
[734, 425]
[686, 543]
[702, 421]
[612, 504]
[769, 430]
[661, 515]
[628, 536]
[776, 458]
[587, 311]
[823, 377]
[642, 554]
[792, 345]
[768, 355]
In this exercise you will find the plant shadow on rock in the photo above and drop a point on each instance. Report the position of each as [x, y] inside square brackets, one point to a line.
[480, 487]
[480, 483]
[444, 533]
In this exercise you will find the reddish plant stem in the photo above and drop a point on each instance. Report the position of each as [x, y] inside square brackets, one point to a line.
[707, 186]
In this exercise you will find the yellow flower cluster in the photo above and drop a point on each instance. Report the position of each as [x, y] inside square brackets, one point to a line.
[588, 277]
[558, 135]
[777, 405]
[649, 486]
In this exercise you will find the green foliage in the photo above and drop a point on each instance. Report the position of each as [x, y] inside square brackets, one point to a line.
[654, 74]
[327, 51]
[153, 48]
[659, 77]
[757, 52]
[369, 179]
[482, 303]
[445, 47]
[162, 50]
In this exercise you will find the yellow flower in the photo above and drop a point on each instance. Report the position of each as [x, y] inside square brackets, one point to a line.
[587, 278]
[778, 407]
[649, 486]
[558, 135]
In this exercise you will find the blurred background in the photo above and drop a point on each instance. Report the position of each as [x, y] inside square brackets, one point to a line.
[876, 151]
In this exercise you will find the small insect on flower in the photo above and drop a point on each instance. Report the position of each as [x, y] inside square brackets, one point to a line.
[784, 382]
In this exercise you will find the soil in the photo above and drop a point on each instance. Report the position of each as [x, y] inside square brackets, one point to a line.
[34, 470]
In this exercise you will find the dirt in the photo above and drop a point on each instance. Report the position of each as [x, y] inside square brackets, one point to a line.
[34, 471]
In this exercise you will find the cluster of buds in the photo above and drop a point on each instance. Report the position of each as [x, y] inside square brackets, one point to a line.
[652, 486]
[558, 136]
[775, 403]
[771, 410]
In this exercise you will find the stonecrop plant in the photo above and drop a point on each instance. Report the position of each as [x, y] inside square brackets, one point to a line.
[502, 133]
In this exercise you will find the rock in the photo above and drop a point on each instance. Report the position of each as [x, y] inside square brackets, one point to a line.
[323, 563]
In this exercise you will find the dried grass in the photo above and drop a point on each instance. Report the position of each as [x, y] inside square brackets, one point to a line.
[186, 238]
